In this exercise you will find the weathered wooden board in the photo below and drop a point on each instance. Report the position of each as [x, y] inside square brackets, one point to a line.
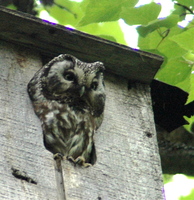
[21, 144]
[128, 163]
[52, 39]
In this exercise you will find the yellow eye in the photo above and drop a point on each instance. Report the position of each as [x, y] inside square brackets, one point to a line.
[94, 86]
[69, 76]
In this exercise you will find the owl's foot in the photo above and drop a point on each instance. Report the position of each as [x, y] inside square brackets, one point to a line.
[79, 160]
[58, 156]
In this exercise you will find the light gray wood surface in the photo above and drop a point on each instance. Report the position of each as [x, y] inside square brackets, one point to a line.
[21, 144]
[128, 164]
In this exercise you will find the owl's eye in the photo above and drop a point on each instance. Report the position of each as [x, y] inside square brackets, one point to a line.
[94, 86]
[69, 76]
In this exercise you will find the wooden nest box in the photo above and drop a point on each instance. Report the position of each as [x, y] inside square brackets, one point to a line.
[128, 163]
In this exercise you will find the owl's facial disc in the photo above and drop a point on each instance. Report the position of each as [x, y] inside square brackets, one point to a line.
[94, 94]
[69, 78]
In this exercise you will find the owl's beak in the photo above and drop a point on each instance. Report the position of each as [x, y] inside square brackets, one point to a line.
[82, 90]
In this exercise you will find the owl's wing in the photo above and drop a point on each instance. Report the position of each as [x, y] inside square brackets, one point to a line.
[98, 120]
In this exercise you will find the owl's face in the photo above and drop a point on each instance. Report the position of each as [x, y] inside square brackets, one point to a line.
[68, 78]
[95, 92]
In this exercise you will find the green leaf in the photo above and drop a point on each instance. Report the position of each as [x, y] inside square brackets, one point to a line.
[170, 49]
[185, 83]
[151, 41]
[65, 17]
[166, 47]
[189, 59]
[104, 10]
[160, 41]
[191, 89]
[141, 15]
[187, 3]
[102, 30]
[185, 39]
[189, 197]
[11, 6]
[167, 22]
[108, 37]
[180, 11]
[167, 178]
[105, 29]
[175, 72]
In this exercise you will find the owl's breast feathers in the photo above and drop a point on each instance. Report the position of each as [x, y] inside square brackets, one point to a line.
[66, 130]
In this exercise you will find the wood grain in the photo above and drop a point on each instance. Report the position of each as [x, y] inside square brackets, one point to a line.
[21, 143]
[52, 39]
[128, 163]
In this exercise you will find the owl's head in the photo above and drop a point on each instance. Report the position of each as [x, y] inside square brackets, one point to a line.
[69, 80]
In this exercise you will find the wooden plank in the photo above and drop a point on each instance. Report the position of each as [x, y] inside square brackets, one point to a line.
[21, 145]
[128, 163]
[52, 39]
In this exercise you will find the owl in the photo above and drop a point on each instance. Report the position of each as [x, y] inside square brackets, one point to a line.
[68, 96]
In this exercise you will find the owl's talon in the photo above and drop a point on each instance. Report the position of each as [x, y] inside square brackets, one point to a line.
[58, 156]
[86, 165]
[71, 159]
[79, 161]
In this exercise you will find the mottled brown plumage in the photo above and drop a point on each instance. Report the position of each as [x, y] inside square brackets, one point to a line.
[68, 96]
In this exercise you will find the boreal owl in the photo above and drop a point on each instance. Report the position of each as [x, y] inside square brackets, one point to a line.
[68, 96]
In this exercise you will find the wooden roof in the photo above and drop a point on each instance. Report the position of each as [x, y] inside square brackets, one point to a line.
[52, 39]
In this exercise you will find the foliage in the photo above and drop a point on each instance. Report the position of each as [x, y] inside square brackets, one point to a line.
[189, 197]
[167, 178]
